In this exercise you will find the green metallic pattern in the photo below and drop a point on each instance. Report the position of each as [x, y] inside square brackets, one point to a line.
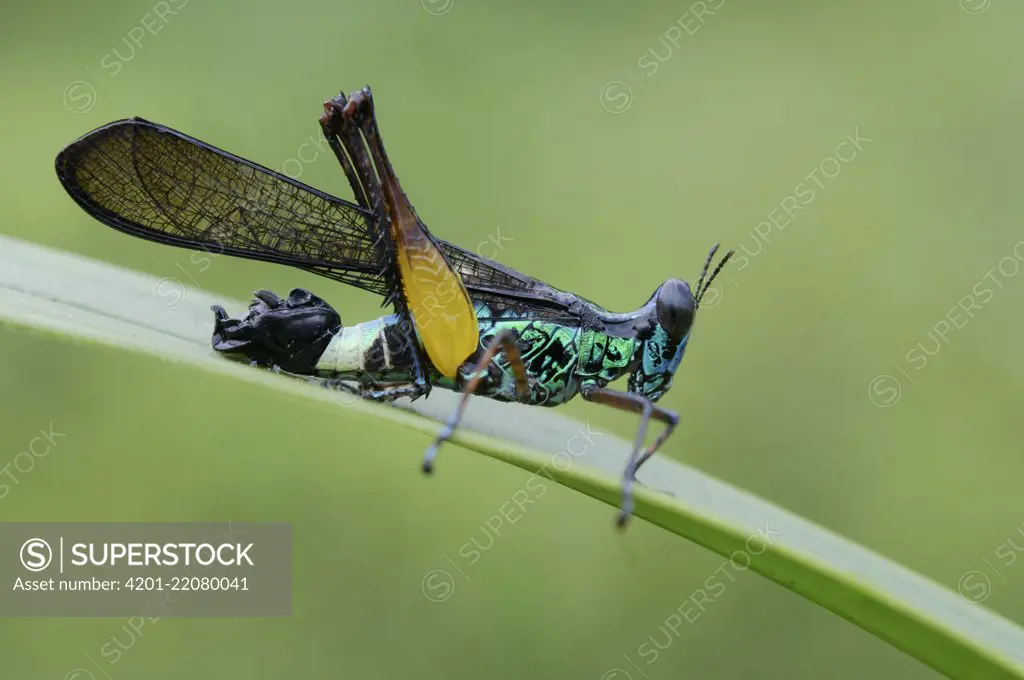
[660, 356]
[560, 358]
[605, 358]
[550, 352]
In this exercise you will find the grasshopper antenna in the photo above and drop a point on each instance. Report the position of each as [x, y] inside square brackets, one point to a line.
[703, 273]
[702, 285]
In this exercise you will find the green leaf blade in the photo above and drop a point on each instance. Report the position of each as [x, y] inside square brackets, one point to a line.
[73, 297]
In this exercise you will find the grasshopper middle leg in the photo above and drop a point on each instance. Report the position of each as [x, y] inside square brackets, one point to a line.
[504, 341]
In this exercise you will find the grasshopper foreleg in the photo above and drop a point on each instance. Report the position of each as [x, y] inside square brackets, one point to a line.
[636, 403]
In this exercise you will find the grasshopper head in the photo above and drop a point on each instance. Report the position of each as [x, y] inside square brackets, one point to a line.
[661, 350]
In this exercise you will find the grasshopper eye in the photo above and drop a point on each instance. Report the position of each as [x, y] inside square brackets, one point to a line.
[675, 307]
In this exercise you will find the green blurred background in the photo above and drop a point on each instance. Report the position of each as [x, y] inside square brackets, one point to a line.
[611, 169]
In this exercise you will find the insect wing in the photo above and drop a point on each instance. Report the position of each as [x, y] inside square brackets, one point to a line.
[153, 182]
[156, 183]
